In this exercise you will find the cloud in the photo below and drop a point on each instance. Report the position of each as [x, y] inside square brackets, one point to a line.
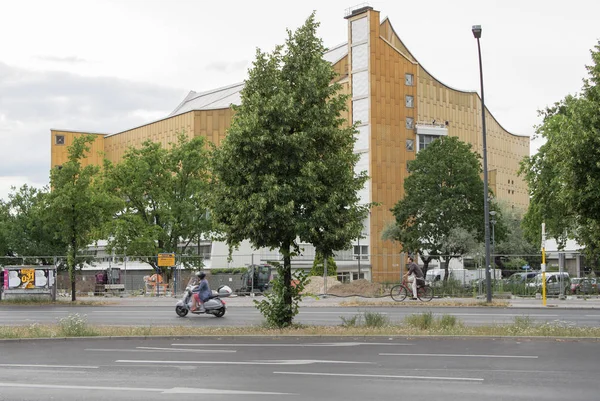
[33, 102]
[57, 59]
[228, 67]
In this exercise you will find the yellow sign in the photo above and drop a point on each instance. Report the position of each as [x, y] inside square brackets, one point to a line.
[166, 259]
[28, 276]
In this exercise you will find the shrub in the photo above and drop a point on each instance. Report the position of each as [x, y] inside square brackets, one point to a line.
[75, 326]
[351, 321]
[447, 321]
[422, 321]
[273, 307]
[374, 319]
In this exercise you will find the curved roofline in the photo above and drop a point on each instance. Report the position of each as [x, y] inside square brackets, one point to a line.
[77, 132]
[448, 86]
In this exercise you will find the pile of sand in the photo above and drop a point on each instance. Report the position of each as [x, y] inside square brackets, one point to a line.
[358, 287]
[315, 285]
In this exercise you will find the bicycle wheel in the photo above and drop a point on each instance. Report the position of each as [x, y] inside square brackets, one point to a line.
[399, 293]
[425, 294]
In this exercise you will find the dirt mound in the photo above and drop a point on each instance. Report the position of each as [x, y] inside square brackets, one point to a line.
[316, 286]
[358, 287]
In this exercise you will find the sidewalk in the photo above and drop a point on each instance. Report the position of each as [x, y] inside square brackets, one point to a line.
[333, 301]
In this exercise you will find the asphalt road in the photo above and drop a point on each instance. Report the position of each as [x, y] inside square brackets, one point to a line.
[247, 315]
[252, 368]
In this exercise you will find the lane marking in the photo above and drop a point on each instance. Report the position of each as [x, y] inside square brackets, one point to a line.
[156, 349]
[261, 362]
[473, 379]
[174, 390]
[350, 344]
[18, 365]
[466, 356]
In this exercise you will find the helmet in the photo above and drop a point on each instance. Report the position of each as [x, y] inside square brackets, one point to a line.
[201, 275]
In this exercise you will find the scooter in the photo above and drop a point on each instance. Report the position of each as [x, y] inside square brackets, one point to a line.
[213, 306]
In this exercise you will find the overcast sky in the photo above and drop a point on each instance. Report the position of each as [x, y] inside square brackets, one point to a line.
[105, 66]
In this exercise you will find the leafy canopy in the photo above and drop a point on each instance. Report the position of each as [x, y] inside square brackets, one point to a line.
[285, 171]
[79, 206]
[443, 200]
[164, 197]
[564, 176]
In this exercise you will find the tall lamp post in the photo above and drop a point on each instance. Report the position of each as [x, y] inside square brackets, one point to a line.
[488, 281]
[493, 221]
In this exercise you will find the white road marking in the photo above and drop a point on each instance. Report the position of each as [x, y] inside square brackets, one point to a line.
[466, 356]
[350, 344]
[174, 390]
[17, 365]
[261, 362]
[156, 349]
[473, 379]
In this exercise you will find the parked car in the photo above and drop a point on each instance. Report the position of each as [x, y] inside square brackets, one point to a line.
[584, 285]
[556, 283]
[520, 278]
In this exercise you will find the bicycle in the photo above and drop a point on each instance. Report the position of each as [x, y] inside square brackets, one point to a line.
[400, 292]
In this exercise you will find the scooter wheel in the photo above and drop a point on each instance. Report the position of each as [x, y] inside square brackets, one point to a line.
[220, 312]
[181, 311]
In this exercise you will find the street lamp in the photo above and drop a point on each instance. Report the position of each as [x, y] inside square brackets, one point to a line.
[488, 281]
[493, 221]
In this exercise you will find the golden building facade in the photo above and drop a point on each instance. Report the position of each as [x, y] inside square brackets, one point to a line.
[399, 107]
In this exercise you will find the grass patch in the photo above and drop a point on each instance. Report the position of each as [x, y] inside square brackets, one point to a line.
[550, 330]
[436, 303]
[367, 319]
[374, 319]
[43, 302]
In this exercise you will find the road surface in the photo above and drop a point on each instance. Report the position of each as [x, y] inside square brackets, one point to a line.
[336, 369]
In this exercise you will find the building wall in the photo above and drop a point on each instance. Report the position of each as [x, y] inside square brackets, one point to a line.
[59, 152]
[389, 154]
[163, 131]
[462, 110]
[212, 124]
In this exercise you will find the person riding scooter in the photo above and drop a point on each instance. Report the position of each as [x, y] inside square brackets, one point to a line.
[201, 293]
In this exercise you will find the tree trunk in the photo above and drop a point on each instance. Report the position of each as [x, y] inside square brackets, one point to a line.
[287, 280]
[71, 268]
[446, 264]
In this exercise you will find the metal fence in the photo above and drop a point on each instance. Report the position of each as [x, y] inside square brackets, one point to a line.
[133, 274]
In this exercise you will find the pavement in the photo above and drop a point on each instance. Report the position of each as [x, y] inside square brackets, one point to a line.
[575, 302]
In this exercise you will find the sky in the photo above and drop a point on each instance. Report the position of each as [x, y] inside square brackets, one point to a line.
[106, 66]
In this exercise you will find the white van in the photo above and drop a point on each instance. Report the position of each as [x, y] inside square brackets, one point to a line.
[556, 283]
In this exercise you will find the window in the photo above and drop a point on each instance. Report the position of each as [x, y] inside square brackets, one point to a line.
[343, 277]
[425, 140]
[355, 276]
[410, 101]
[410, 123]
[361, 252]
[59, 140]
[409, 79]
[410, 145]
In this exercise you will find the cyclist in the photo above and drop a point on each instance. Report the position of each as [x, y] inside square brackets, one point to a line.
[414, 273]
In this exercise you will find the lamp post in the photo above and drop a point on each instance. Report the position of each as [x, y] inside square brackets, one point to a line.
[488, 282]
[493, 221]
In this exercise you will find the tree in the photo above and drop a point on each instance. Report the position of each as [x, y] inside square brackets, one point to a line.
[564, 176]
[79, 207]
[286, 168]
[443, 200]
[318, 268]
[164, 194]
[27, 232]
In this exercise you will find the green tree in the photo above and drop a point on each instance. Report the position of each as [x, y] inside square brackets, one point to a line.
[564, 176]
[79, 207]
[286, 168]
[164, 192]
[318, 267]
[27, 232]
[443, 200]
